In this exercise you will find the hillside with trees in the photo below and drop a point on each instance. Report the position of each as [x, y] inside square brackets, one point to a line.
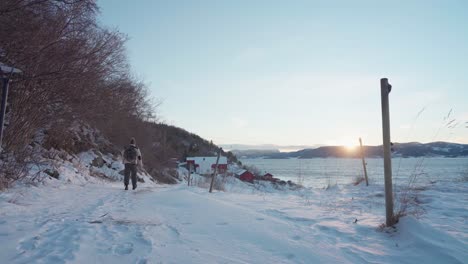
[75, 74]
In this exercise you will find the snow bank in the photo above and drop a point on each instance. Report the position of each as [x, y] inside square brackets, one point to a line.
[91, 166]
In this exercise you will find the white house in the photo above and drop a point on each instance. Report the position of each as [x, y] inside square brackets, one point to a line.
[206, 165]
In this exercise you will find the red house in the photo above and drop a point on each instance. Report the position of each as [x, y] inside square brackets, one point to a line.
[222, 168]
[268, 177]
[245, 175]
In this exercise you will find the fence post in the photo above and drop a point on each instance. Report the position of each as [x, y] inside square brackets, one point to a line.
[189, 174]
[215, 171]
[385, 89]
[363, 162]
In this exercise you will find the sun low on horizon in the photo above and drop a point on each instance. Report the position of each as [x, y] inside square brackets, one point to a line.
[351, 148]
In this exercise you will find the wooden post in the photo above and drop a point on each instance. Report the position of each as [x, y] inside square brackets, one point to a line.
[215, 171]
[363, 162]
[189, 174]
[385, 89]
[3, 107]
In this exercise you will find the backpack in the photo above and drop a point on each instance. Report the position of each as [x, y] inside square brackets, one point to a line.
[130, 154]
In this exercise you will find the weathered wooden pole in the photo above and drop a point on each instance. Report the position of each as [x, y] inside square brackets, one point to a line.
[4, 70]
[215, 171]
[6, 81]
[363, 162]
[189, 174]
[385, 89]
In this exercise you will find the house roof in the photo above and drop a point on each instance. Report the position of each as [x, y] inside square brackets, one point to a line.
[240, 172]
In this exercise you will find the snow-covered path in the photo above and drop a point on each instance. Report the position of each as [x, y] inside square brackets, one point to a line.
[104, 224]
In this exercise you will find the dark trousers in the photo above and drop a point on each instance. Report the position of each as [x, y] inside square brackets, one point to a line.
[130, 171]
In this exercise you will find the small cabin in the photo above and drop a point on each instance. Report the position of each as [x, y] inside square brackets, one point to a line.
[268, 177]
[245, 175]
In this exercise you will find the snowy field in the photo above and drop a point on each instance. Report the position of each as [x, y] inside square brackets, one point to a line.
[101, 223]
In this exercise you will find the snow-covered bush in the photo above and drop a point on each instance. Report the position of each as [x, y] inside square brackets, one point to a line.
[204, 182]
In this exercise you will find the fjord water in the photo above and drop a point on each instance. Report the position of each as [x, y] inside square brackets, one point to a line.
[319, 172]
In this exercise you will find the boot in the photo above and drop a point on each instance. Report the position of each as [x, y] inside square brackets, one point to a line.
[134, 187]
[126, 187]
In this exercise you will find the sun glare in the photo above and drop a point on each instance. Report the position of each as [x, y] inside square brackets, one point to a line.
[350, 147]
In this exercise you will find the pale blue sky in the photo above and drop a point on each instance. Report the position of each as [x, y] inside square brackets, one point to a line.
[300, 72]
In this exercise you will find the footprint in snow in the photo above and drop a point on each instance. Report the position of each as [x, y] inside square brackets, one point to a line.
[121, 228]
[123, 249]
[296, 238]
[142, 261]
[29, 244]
[174, 230]
[222, 223]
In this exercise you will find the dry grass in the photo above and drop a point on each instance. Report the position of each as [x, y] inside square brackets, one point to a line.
[409, 203]
[14, 168]
[358, 180]
[204, 182]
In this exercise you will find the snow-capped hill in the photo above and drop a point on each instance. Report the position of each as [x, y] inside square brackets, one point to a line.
[412, 149]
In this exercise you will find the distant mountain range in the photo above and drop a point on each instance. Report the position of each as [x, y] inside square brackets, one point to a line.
[412, 149]
[266, 147]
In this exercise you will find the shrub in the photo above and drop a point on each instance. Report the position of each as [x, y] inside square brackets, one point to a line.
[358, 179]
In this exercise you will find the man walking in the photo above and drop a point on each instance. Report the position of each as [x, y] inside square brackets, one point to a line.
[131, 158]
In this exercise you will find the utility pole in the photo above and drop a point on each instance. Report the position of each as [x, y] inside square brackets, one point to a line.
[385, 89]
[363, 162]
[5, 81]
[215, 171]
